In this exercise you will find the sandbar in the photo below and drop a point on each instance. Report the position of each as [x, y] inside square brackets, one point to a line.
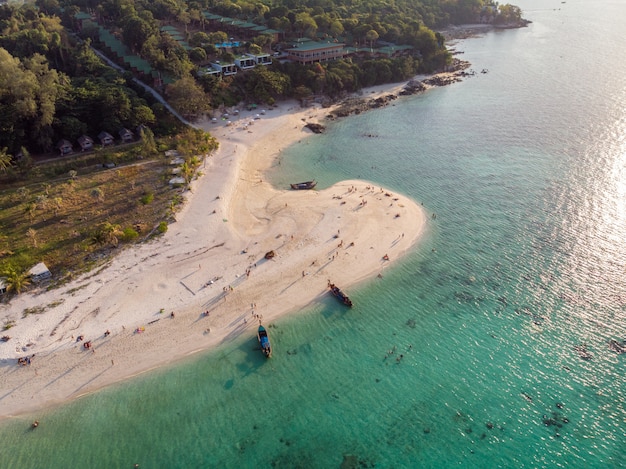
[211, 260]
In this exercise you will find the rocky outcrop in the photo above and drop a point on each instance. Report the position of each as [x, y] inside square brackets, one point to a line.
[454, 72]
[315, 128]
[413, 87]
[359, 105]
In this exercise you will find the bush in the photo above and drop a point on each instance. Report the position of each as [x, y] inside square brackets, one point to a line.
[163, 227]
[129, 234]
[147, 198]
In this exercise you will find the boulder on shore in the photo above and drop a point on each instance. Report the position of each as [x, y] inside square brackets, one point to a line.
[315, 128]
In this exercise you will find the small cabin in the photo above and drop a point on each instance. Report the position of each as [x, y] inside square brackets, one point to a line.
[126, 135]
[85, 142]
[105, 138]
[39, 273]
[65, 147]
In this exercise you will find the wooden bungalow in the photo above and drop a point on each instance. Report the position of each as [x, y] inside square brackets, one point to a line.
[65, 147]
[85, 142]
[126, 135]
[105, 138]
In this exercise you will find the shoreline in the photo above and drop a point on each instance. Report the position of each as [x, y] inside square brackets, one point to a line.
[231, 218]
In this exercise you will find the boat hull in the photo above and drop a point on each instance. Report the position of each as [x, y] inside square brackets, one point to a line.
[341, 296]
[264, 342]
[303, 185]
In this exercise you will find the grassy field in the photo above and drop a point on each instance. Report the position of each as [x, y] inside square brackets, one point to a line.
[73, 214]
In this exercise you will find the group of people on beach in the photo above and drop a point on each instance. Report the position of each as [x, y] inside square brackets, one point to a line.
[87, 344]
[25, 361]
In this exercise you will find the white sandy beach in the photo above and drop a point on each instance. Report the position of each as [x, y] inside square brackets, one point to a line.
[231, 219]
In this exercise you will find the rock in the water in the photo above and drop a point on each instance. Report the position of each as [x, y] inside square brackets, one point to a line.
[316, 128]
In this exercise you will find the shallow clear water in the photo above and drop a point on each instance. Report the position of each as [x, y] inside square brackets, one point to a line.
[525, 167]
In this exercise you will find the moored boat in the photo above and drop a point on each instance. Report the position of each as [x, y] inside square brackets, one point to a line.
[264, 341]
[304, 185]
[341, 296]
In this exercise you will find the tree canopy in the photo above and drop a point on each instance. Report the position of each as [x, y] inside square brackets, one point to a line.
[54, 86]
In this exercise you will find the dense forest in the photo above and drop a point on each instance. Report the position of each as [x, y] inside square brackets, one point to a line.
[54, 85]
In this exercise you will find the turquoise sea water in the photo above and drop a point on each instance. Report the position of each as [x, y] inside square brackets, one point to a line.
[525, 167]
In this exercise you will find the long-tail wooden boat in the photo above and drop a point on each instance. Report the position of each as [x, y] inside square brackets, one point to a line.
[264, 341]
[304, 185]
[341, 296]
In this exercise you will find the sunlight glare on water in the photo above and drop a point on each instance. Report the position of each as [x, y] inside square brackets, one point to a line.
[597, 226]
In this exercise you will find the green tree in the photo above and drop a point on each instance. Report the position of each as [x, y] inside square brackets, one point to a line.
[97, 193]
[305, 25]
[58, 203]
[218, 37]
[187, 97]
[197, 54]
[302, 93]
[199, 39]
[371, 36]
[264, 41]
[136, 31]
[255, 49]
[14, 280]
[30, 210]
[148, 144]
[508, 14]
[336, 28]
[164, 53]
[187, 171]
[32, 235]
[18, 89]
[141, 115]
[5, 160]
[107, 233]
[262, 84]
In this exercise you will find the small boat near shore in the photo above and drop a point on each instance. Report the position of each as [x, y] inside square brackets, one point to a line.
[299, 186]
[341, 296]
[264, 342]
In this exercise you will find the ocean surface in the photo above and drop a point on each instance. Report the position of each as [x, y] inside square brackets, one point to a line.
[468, 353]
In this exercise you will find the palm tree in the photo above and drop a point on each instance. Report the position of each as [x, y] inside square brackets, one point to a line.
[30, 210]
[107, 233]
[32, 234]
[371, 36]
[97, 194]
[15, 281]
[187, 171]
[58, 203]
[5, 160]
